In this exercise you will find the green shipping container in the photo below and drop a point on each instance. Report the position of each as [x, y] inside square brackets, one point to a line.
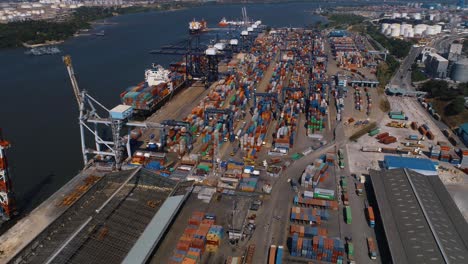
[398, 117]
[323, 196]
[374, 132]
[348, 215]
[350, 249]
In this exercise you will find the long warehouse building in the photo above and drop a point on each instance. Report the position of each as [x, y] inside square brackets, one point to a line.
[422, 223]
[119, 219]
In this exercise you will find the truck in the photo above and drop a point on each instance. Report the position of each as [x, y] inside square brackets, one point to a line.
[272, 255]
[294, 184]
[345, 198]
[350, 250]
[344, 182]
[372, 250]
[279, 255]
[341, 164]
[348, 216]
[340, 154]
[359, 188]
[370, 214]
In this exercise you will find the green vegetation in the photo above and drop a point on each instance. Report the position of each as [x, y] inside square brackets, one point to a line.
[385, 70]
[440, 90]
[397, 47]
[36, 32]
[456, 106]
[344, 20]
[417, 74]
[363, 131]
[448, 102]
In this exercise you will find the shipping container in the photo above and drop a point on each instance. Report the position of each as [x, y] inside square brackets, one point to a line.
[348, 215]
[279, 255]
[272, 255]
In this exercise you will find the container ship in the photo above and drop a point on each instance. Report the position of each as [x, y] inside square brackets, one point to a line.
[159, 85]
[225, 23]
[196, 27]
[6, 193]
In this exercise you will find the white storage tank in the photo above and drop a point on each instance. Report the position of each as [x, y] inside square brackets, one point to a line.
[460, 71]
[384, 27]
[419, 29]
[437, 29]
[244, 33]
[234, 42]
[431, 17]
[416, 16]
[395, 32]
[404, 15]
[388, 31]
[396, 15]
[249, 29]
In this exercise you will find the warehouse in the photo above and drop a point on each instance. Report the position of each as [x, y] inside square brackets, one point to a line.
[423, 166]
[122, 217]
[422, 223]
[463, 133]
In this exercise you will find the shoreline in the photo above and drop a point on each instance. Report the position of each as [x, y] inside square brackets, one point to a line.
[92, 23]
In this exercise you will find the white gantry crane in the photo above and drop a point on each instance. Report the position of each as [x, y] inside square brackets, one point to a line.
[90, 120]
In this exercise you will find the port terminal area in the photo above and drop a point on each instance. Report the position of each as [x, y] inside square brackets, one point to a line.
[271, 165]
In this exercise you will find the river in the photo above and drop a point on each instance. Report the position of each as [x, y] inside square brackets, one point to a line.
[38, 112]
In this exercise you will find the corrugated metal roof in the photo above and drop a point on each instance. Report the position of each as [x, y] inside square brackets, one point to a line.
[422, 223]
[154, 231]
[424, 166]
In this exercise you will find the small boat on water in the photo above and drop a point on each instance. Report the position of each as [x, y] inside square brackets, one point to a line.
[100, 34]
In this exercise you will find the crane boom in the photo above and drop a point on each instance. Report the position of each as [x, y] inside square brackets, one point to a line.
[76, 90]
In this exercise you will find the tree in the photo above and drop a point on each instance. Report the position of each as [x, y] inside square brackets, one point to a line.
[456, 106]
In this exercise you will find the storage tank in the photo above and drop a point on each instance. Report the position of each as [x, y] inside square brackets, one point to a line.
[244, 33]
[396, 15]
[233, 41]
[384, 27]
[388, 31]
[411, 33]
[431, 17]
[437, 29]
[419, 29]
[429, 31]
[404, 15]
[460, 71]
[395, 32]
[416, 16]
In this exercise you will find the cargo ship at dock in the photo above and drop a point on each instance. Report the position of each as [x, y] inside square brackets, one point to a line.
[196, 27]
[159, 86]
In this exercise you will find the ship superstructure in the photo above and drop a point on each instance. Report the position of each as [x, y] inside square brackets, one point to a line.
[197, 26]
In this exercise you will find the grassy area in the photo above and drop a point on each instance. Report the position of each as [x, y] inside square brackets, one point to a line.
[363, 131]
[453, 120]
[417, 75]
[342, 21]
[384, 105]
[397, 47]
[385, 70]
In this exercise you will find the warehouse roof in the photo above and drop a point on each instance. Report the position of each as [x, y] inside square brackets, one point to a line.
[104, 224]
[424, 166]
[421, 221]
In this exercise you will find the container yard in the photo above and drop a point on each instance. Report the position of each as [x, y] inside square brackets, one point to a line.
[254, 166]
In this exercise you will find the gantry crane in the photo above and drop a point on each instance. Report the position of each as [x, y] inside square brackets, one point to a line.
[116, 118]
[6, 190]
[90, 120]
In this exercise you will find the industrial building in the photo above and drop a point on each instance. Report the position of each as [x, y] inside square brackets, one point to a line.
[422, 166]
[120, 219]
[436, 65]
[455, 51]
[422, 223]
